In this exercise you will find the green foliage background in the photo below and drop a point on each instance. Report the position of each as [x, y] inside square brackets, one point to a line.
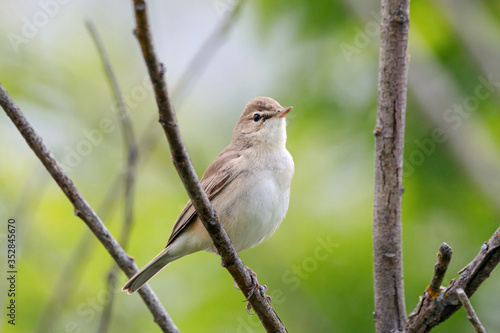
[319, 56]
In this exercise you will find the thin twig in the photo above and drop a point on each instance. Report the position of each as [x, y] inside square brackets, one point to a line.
[82, 209]
[207, 214]
[188, 79]
[390, 313]
[430, 312]
[471, 314]
[130, 142]
[72, 272]
[440, 268]
[63, 289]
[107, 311]
[205, 52]
[147, 143]
[459, 138]
[130, 145]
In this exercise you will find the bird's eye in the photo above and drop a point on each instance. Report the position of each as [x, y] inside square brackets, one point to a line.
[256, 117]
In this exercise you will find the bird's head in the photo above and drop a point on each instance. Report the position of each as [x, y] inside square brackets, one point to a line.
[261, 123]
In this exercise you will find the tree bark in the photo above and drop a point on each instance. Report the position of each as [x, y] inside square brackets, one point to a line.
[390, 310]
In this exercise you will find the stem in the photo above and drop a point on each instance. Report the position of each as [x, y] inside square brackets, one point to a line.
[130, 145]
[390, 310]
[471, 314]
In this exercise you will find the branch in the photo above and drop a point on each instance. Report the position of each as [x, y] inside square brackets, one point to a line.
[430, 311]
[481, 165]
[147, 142]
[205, 52]
[130, 145]
[204, 209]
[70, 275]
[440, 268]
[471, 314]
[121, 107]
[82, 209]
[390, 311]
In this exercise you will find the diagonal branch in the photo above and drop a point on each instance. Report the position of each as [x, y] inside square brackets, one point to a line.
[430, 311]
[82, 208]
[471, 314]
[205, 52]
[207, 214]
[130, 144]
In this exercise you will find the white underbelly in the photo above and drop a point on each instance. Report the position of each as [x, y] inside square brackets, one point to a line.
[258, 212]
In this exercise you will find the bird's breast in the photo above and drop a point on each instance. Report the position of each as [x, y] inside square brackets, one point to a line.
[261, 198]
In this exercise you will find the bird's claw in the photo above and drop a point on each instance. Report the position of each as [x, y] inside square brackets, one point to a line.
[263, 291]
[253, 288]
[249, 307]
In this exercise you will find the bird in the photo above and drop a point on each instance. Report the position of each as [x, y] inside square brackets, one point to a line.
[248, 184]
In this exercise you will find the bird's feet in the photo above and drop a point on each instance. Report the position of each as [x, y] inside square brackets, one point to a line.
[255, 287]
[255, 284]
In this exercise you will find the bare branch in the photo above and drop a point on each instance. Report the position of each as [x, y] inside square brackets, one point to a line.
[130, 174]
[471, 314]
[434, 98]
[390, 310]
[70, 275]
[440, 268]
[205, 52]
[430, 311]
[147, 142]
[207, 214]
[82, 209]
[107, 310]
[121, 107]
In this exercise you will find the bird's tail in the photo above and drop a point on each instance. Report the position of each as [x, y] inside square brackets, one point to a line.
[147, 272]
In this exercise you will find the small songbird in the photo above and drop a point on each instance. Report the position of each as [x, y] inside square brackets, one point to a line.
[248, 184]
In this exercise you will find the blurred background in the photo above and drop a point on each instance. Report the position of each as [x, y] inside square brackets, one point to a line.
[320, 57]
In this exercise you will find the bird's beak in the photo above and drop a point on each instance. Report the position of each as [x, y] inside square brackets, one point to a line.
[282, 113]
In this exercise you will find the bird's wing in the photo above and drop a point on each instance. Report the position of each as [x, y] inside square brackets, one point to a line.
[220, 173]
